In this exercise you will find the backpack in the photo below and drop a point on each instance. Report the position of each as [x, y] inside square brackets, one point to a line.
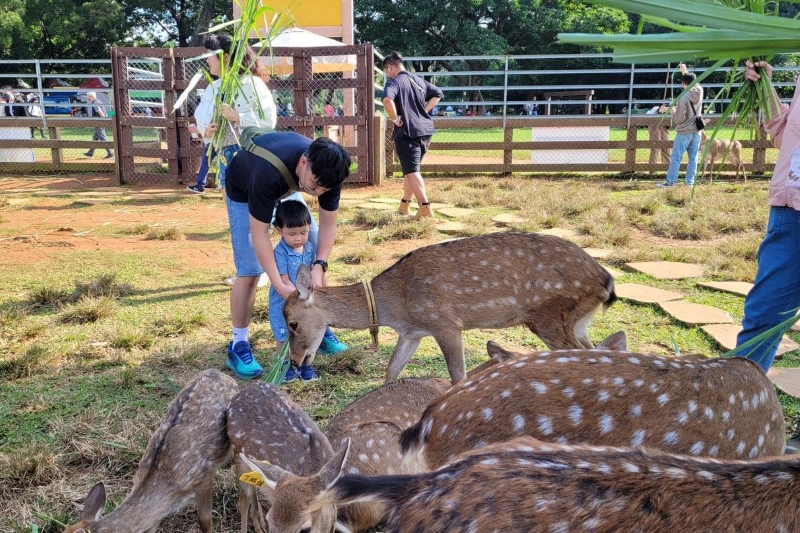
[246, 142]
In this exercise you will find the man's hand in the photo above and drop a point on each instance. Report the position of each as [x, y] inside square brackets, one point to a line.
[752, 74]
[318, 276]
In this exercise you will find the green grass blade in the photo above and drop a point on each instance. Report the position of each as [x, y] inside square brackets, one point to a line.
[279, 367]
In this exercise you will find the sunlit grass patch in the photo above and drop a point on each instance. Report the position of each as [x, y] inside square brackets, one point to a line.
[89, 309]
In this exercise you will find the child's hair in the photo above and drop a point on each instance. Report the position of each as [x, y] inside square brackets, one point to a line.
[224, 42]
[292, 214]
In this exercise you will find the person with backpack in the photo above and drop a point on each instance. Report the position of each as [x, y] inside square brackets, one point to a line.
[272, 167]
[408, 101]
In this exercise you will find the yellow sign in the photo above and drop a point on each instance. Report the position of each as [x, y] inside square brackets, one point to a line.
[252, 478]
[309, 12]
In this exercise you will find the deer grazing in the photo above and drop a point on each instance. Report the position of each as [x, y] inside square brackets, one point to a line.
[178, 465]
[265, 423]
[491, 281]
[724, 408]
[731, 150]
[524, 485]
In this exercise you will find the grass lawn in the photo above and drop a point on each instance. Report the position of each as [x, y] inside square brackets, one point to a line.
[111, 302]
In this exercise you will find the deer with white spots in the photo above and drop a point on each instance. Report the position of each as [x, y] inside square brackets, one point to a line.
[263, 422]
[724, 408]
[498, 280]
[178, 465]
[524, 486]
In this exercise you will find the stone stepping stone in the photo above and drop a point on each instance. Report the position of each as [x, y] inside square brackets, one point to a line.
[377, 207]
[695, 314]
[725, 335]
[395, 201]
[598, 253]
[37, 190]
[95, 201]
[668, 269]
[100, 193]
[54, 193]
[560, 232]
[508, 218]
[17, 201]
[644, 294]
[450, 227]
[160, 191]
[455, 212]
[613, 271]
[786, 379]
[735, 287]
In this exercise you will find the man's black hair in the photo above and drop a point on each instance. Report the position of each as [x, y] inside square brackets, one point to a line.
[292, 214]
[330, 162]
[688, 78]
[219, 41]
[393, 59]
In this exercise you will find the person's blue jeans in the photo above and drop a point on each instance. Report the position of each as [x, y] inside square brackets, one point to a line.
[202, 174]
[244, 255]
[776, 291]
[684, 142]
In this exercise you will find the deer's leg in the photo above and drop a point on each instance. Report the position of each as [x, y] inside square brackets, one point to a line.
[243, 504]
[406, 346]
[203, 501]
[453, 349]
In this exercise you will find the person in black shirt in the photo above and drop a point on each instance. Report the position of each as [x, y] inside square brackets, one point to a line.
[253, 187]
[408, 101]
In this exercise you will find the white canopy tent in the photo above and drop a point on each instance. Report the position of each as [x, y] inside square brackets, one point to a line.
[300, 38]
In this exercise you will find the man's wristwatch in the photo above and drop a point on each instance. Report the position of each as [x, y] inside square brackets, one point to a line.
[322, 263]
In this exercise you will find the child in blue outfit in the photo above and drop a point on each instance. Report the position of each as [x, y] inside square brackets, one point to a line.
[293, 223]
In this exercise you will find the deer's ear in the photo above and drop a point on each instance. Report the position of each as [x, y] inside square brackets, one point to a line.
[497, 352]
[329, 473]
[264, 474]
[305, 287]
[616, 342]
[95, 503]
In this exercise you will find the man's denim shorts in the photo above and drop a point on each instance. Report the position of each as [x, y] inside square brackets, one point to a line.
[244, 255]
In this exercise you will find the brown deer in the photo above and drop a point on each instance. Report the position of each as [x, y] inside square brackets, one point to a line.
[491, 281]
[731, 150]
[263, 422]
[524, 485]
[178, 465]
[372, 425]
[723, 408]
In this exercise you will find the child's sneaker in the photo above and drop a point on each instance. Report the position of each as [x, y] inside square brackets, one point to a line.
[307, 374]
[330, 345]
[241, 362]
[291, 375]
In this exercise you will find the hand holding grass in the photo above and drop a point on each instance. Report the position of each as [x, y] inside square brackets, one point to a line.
[752, 74]
[229, 113]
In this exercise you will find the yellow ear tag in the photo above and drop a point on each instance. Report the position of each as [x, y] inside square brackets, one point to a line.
[253, 478]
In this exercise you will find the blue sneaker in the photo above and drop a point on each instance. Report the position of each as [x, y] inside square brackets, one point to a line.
[307, 374]
[241, 362]
[330, 345]
[291, 375]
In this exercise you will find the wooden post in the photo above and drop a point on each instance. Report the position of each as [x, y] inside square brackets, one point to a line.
[379, 149]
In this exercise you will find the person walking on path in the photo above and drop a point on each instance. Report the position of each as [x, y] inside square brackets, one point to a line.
[408, 101]
[687, 139]
[776, 291]
[96, 110]
[277, 166]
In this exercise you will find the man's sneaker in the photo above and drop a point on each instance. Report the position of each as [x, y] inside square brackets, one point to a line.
[196, 189]
[330, 345]
[307, 374]
[241, 362]
[88, 154]
[291, 375]
[665, 184]
[109, 156]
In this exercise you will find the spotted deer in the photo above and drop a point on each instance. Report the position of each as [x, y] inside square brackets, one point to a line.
[491, 281]
[731, 150]
[178, 465]
[724, 408]
[524, 485]
[263, 422]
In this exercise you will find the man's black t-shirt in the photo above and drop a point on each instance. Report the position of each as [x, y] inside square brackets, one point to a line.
[255, 181]
[410, 93]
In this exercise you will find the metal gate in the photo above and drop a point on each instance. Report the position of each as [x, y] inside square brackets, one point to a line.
[316, 96]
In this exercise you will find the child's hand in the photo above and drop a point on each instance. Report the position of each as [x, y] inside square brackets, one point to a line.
[210, 131]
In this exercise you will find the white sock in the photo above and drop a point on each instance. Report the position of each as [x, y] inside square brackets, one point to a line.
[240, 334]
